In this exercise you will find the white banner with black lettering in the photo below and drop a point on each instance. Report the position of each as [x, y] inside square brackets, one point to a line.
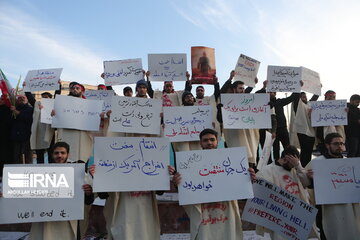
[48, 200]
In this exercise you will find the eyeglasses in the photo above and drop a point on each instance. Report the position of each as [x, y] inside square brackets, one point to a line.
[338, 143]
[77, 88]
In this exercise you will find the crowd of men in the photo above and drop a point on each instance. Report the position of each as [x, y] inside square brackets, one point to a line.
[134, 215]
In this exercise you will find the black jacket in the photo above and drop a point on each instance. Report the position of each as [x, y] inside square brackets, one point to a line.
[353, 127]
[21, 125]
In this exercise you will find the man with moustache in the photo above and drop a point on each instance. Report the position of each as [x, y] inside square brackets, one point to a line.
[231, 228]
[339, 221]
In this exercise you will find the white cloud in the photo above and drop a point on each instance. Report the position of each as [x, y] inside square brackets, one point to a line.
[30, 44]
[210, 14]
[320, 36]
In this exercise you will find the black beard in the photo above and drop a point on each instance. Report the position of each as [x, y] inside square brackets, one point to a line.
[329, 154]
[286, 167]
[74, 95]
[188, 104]
[272, 99]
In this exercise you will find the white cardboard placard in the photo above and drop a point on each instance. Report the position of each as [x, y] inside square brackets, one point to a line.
[184, 124]
[246, 111]
[336, 180]
[105, 95]
[46, 209]
[131, 164]
[123, 71]
[135, 115]
[278, 210]
[42, 80]
[48, 106]
[283, 79]
[213, 175]
[328, 113]
[76, 113]
[311, 80]
[246, 70]
[167, 67]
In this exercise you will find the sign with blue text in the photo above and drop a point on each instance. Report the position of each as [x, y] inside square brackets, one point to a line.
[123, 71]
[246, 111]
[42, 193]
[167, 67]
[328, 113]
[105, 95]
[131, 164]
[276, 209]
[213, 175]
[184, 124]
[42, 80]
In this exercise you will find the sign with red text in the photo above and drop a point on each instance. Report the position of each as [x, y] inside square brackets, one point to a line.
[42, 80]
[276, 209]
[167, 67]
[213, 175]
[184, 124]
[246, 111]
[311, 80]
[328, 113]
[283, 79]
[131, 164]
[50, 207]
[123, 71]
[246, 70]
[135, 115]
[336, 180]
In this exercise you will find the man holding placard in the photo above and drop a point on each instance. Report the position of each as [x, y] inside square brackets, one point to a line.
[322, 131]
[339, 221]
[136, 207]
[42, 135]
[288, 174]
[67, 229]
[302, 126]
[79, 140]
[21, 129]
[248, 138]
[216, 220]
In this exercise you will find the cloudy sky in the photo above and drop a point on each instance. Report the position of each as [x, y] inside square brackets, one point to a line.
[79, 35]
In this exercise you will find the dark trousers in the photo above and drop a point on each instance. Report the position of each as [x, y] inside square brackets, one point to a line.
[21, 149]
[6, 152]
[282, 135]
[319, 222]
[40, 155]
[353, 146]
[306, 148]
